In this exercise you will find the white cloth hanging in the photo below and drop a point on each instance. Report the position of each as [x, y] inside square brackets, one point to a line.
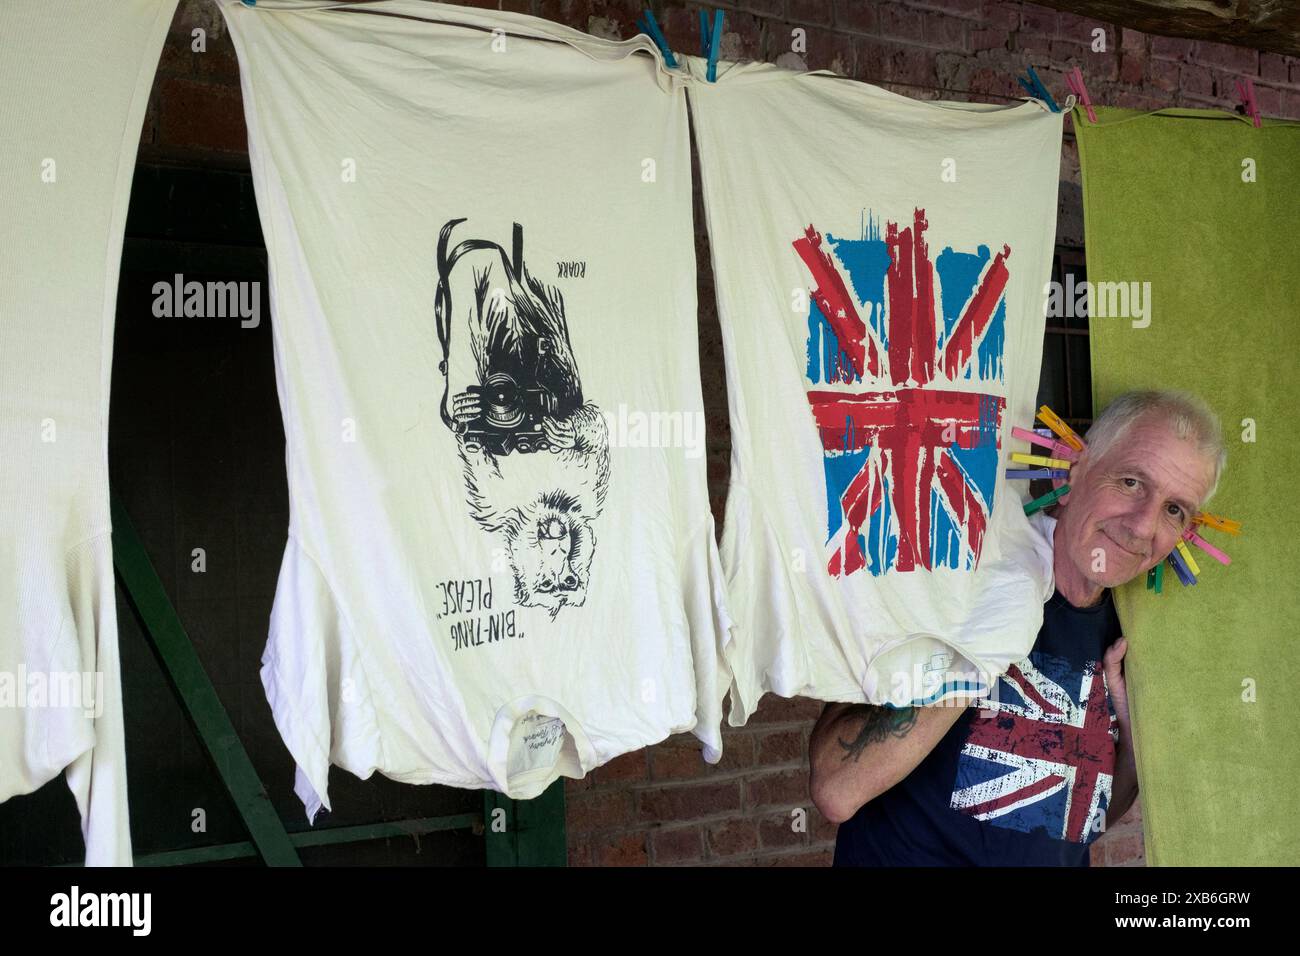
[880, 265]
[76, 76]
[501, 565]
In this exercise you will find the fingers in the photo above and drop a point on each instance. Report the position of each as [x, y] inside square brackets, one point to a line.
[465, 407]
[1112, 664]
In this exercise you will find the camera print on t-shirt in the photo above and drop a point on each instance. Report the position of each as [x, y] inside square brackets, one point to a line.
[535, 455]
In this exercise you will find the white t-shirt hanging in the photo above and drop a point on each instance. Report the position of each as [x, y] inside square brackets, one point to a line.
[76, 76]
[880, 265]
[501, 564]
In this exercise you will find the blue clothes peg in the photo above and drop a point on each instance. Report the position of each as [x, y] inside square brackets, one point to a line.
[714, 41]
[651, 27]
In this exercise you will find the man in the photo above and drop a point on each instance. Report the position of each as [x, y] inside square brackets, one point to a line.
[1032, 776]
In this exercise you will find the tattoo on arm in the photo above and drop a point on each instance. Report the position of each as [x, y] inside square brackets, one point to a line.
[877, 724]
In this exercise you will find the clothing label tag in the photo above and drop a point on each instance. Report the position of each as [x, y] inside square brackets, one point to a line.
[536, 742]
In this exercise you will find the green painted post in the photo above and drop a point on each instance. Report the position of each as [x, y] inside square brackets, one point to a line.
[525, 832]
[197, 694]
[330, 836]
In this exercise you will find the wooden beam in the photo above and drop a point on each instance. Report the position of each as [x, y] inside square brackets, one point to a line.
[1272, 25]
[163, 629]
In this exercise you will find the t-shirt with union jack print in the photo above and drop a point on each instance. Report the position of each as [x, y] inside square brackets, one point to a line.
[1028, 784]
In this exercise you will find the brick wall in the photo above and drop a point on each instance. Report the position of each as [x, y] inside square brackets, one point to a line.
[664, 805]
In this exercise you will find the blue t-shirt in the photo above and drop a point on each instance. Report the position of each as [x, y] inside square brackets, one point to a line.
[1026, 786]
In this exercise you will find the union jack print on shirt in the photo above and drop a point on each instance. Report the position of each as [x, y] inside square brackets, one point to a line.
[910, 468]
[1045, 759]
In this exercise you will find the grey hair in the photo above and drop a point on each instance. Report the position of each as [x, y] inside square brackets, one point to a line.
[1188, 415]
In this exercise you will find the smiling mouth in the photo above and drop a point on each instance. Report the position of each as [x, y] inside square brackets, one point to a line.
[1136, 554]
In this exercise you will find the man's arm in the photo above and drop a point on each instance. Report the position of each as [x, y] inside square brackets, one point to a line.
[858, 751]
[1124, 787]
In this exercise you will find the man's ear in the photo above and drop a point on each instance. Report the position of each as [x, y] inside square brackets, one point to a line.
[1073, 478]
[1079, 469]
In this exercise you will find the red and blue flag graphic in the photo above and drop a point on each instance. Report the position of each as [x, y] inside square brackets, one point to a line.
[910, 468]
[1045, 759]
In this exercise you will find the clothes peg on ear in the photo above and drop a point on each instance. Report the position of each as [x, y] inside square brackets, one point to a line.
[1048, 499]
[1211, 550]
[1218, 522]
[1034, 438]
[1181, 569]
[1062, 450]
[1020, 458]
[1046, 438]
[1186, 554]
[1064, 431]
[1014, 473]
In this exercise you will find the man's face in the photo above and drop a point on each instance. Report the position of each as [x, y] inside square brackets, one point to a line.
[1128, 509]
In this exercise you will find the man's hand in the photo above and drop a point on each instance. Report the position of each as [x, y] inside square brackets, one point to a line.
[858, 751]
[1113, 665]
[1124, 785]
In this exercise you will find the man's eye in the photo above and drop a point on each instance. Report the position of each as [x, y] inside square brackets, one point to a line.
[1130, 482]
[1176, 512]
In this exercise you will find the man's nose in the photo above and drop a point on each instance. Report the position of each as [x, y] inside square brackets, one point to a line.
[1142, 521]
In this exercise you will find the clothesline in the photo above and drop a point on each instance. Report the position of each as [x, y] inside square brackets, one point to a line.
[937, 89]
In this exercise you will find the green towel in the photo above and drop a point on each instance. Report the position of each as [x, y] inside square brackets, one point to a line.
[1165, 202]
